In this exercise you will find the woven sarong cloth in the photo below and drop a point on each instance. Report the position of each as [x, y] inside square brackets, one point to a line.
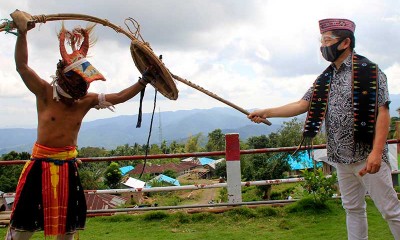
[49, 194]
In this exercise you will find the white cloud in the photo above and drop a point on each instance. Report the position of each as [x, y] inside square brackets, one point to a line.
[254, 53]
[393, 75]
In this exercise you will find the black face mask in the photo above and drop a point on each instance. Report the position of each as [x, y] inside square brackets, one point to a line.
[331, 53]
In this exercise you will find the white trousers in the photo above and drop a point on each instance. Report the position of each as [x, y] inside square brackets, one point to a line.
[379, 186]
[24, 235]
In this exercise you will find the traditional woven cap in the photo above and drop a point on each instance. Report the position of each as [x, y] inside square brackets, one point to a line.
[330, 24]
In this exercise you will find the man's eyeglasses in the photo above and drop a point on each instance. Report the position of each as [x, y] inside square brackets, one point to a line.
[328, 38]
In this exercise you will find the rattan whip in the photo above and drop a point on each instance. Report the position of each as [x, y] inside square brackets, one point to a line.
[143, 56]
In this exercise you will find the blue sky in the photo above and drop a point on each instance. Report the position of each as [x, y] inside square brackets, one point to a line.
[254, 53]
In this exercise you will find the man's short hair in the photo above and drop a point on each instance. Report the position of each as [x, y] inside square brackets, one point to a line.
[343, 34]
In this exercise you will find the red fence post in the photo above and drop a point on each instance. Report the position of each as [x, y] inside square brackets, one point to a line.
[232, 149]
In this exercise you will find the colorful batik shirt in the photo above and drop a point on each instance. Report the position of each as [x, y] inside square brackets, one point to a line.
[340, 115]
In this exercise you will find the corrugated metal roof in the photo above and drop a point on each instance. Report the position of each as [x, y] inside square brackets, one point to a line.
[103, 201]
[206, 161]
[158, 168]
[134, 183]
[164, 178]
[302, 162]
[126, 169]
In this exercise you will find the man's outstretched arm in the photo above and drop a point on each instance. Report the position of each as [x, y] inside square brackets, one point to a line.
[34, 83]
[125, 94]
[288, 110]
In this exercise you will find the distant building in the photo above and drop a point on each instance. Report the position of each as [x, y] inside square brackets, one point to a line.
[6, 202]
[206, 166]
[129, 182]
[302, 162]
[104, 201]
[126, 169]
[165, 179]
[157, 169]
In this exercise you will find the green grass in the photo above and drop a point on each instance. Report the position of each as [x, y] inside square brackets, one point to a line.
[242, 223]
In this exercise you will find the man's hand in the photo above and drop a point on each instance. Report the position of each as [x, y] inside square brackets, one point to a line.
[23, 21]
[258, 116]
[373, 165]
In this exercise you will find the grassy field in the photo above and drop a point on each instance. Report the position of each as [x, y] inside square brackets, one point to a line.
[241, 223]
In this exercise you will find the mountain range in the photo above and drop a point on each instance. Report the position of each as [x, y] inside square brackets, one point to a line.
[169, 126]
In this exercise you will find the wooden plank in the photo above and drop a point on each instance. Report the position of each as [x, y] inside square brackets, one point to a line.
[5, 215]
[4, 222]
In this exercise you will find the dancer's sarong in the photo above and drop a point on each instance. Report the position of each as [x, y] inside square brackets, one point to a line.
[49, 194]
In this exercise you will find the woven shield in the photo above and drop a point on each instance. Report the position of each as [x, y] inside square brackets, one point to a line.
[158, 75]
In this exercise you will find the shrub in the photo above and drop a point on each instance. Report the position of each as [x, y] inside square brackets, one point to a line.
[308, 204]
[204, 217]
[318, 186]
[241, 212]
[266, 211]
[156, 215]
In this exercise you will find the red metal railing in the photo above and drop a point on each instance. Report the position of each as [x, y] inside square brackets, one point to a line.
[183, 155]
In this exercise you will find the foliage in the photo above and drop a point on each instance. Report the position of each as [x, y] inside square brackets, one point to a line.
[241, 212]
[216, 141]
[92, 174]
[223, 195]
[318, 186]
[220, 169]
[92, 152]
[9, 174]
[251, 193]
[170, 173]
[112, 175]
[308, 205]
[193, 144]
[283, 225]
[392, 130]
[283, 194]
[155, 215]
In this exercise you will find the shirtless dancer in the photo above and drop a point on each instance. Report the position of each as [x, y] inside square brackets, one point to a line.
[49, 194]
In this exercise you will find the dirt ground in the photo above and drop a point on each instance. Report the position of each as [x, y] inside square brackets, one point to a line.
[202, 196]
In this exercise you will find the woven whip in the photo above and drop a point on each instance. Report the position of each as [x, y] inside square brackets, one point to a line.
[142, 54]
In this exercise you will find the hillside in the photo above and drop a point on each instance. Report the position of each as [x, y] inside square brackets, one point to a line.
[175, 125]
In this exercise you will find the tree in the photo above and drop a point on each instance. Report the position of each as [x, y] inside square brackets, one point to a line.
[9, 174]
[112, 176]
[392, 131]
[170, 173]
[164, 147]
[220, 169]
[92, 152]
[92, 174]
[193, 143]
[272, 165]
[216, 141]
[175, 147]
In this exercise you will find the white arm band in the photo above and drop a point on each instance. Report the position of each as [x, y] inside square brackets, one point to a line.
[103, 103]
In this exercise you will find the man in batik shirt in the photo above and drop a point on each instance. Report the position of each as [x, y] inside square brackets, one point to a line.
[357, 124]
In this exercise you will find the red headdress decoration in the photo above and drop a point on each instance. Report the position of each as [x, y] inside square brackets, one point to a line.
[75, 63]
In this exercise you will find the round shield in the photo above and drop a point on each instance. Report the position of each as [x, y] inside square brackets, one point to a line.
[147, 62]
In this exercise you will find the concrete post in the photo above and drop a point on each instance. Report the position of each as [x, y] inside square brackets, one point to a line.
[232, 149]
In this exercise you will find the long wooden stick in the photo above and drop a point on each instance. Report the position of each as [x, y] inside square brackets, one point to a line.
[214, 96]
[72, 16]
